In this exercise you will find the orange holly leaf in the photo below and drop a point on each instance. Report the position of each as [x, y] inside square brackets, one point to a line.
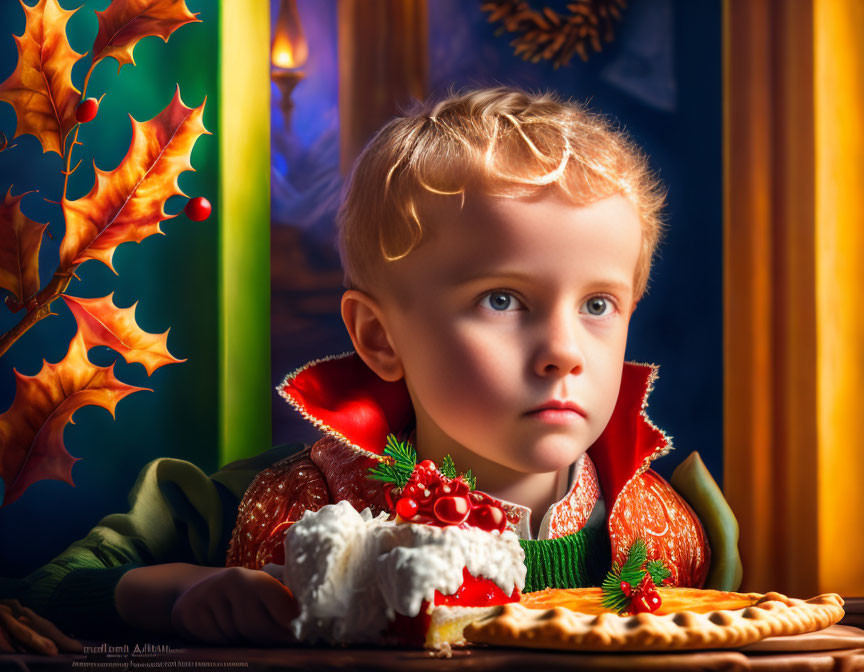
[103, 323]
[127, 203]
[31, 431]
[4, 142]
[40, 89]
[125, 22]
[20, 240]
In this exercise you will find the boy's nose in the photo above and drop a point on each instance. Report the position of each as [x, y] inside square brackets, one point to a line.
[559, 352]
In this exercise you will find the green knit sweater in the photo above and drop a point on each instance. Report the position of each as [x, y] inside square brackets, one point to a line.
[177, 514]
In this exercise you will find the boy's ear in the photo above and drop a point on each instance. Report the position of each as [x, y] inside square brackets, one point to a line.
[364, 321]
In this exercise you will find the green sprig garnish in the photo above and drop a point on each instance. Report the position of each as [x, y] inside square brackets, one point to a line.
[658, 571]
[447, 467]
[631, 572]
[399, 468]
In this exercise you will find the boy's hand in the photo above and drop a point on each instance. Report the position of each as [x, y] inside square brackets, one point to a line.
[237, 605]
[21, 629]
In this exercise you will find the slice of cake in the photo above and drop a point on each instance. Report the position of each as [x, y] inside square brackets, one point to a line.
[365, 579]
[442, 557]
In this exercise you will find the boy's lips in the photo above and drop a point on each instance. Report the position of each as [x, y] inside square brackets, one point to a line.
[558, 411]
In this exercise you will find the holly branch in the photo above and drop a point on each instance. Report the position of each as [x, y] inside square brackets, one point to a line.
[125, 204]
[629, 586]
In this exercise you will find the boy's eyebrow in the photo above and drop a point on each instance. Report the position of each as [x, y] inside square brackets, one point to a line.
[603, 283]
[483, 274]
[615, 285]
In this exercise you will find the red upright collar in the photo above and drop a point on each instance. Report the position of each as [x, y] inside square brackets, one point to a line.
[343, 397]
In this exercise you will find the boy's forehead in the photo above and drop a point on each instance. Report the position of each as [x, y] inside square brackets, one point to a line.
[494, 210]
[461, 239]
[488, 222]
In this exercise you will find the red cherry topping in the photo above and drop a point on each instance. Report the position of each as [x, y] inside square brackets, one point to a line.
[407, 508]
[452, 510]
[488, 517]
[460, 487]
[86, 110]
[198, 209]
[440, 501]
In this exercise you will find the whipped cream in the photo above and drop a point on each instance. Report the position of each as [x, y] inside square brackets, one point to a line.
[351, 572]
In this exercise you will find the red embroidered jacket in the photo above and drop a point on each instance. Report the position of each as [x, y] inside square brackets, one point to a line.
[356, 410]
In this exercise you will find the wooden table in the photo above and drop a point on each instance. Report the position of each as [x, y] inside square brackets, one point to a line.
[181, 656]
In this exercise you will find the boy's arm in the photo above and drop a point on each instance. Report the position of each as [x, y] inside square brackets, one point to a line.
[694, 482]
[145, 596]
[178, 515]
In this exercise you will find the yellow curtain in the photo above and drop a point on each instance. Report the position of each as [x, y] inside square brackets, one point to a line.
[793, 258]
[839, 93]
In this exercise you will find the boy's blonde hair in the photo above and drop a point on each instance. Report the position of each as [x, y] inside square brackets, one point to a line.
[502, 141]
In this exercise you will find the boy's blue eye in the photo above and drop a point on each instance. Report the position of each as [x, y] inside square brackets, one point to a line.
[596, 306]
[500, 301]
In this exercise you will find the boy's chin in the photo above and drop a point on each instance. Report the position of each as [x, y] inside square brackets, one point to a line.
[550, 454]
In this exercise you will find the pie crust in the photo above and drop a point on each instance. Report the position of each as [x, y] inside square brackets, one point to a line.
[695, 619]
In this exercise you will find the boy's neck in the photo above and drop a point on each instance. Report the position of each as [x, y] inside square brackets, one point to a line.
[536, 491]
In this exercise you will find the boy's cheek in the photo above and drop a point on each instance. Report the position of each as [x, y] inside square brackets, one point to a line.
[473, 362]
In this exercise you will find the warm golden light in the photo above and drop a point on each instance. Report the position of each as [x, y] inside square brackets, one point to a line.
[289, 49]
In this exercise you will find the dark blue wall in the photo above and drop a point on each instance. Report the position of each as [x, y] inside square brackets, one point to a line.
[661, 78]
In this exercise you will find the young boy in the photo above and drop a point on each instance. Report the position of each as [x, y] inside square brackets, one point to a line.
[495, 245]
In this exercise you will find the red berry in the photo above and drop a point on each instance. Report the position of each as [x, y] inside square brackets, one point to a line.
[452, 510]
[406, 508]
[626, 589]
[460, 487]
[14, 306]
[198, 209]
[488, 518]
[428, 465]
[638, 606]
[645, 604]
[645, 597]
[86, 110]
